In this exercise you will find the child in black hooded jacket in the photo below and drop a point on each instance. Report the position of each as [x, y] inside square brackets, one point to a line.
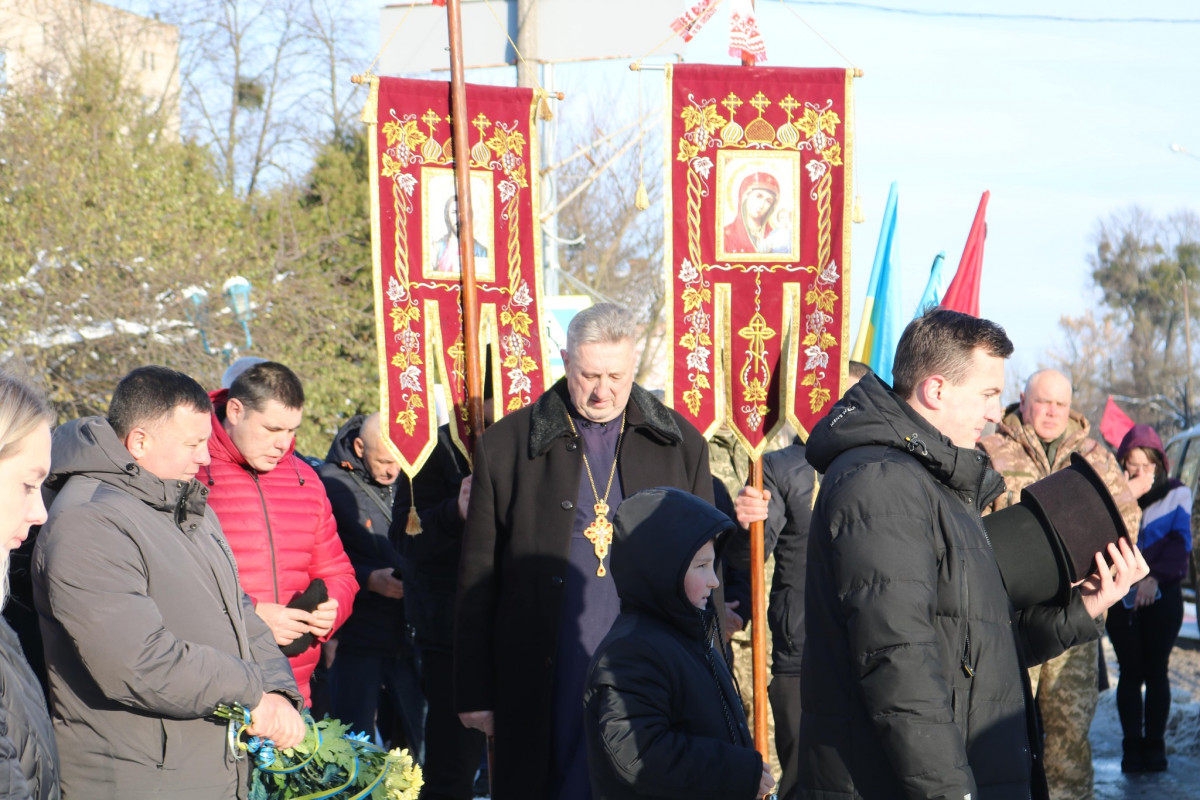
[664, 716]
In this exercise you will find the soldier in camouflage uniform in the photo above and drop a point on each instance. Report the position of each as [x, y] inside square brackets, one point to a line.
[1035, 438]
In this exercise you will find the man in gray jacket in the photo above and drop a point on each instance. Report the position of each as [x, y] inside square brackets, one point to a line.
[146, 627]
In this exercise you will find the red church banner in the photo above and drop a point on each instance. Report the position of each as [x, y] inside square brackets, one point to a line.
[758, 245]
[418, 277]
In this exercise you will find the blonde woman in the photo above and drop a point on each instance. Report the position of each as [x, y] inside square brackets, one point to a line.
[28, 756]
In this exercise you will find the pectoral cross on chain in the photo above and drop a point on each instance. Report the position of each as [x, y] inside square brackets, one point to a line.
[600, 534]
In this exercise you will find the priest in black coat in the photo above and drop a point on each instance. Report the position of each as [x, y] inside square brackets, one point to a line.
[535, 596]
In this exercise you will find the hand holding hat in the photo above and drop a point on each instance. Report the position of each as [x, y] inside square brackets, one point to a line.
[1050, 542]
[1106, 586]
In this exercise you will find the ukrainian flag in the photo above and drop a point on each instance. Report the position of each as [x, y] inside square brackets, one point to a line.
[882, 323]
[935, 288]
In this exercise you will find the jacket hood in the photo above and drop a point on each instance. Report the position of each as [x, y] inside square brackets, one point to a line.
[1145, 436]
[341, 450]
[657, 533]
[870, 413]
[89, 447]
[1142, 436]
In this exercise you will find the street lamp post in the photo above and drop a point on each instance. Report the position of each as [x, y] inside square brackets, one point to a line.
[1187, 322]
[196, 306]
[1178, 148]
[1187, 350]
[237, 294]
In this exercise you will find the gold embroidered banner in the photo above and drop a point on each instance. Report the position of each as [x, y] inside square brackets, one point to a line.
[758, 245]
[418, 277]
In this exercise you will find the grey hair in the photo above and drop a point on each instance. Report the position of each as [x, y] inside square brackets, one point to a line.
[604, 322]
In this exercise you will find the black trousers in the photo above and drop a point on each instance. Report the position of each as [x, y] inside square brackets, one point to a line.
[452, 752]
[1143, 639]
[784, 694]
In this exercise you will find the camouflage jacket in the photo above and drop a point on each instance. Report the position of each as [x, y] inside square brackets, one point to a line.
[727, 462]
[1017, 454]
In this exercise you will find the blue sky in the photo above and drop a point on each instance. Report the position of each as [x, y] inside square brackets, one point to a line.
[1064, 122]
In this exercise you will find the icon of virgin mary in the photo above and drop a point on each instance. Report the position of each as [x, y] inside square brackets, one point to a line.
[757, 197]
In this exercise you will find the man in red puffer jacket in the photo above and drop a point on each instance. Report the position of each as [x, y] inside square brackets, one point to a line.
[275, 513]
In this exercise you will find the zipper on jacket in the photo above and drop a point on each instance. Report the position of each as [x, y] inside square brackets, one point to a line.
[967, 669]
[270, 536]
[966, 659]
[982, 528]
[181, 505]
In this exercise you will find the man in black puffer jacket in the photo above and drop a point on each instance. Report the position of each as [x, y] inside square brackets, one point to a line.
[662, 715]
[785, 505]
[375, 654]
[913, 680]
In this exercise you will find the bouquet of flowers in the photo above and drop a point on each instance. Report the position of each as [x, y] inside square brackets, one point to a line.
[331, 762]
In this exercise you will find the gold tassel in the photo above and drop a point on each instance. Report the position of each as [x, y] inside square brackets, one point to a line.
[641, 200]
[544, 112]
[370, 112]
[858, 215]
[414, 522]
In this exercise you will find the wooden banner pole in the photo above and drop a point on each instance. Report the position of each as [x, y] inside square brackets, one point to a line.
[466, 243]
[466, 236]
[758, 596]
[758, 622]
